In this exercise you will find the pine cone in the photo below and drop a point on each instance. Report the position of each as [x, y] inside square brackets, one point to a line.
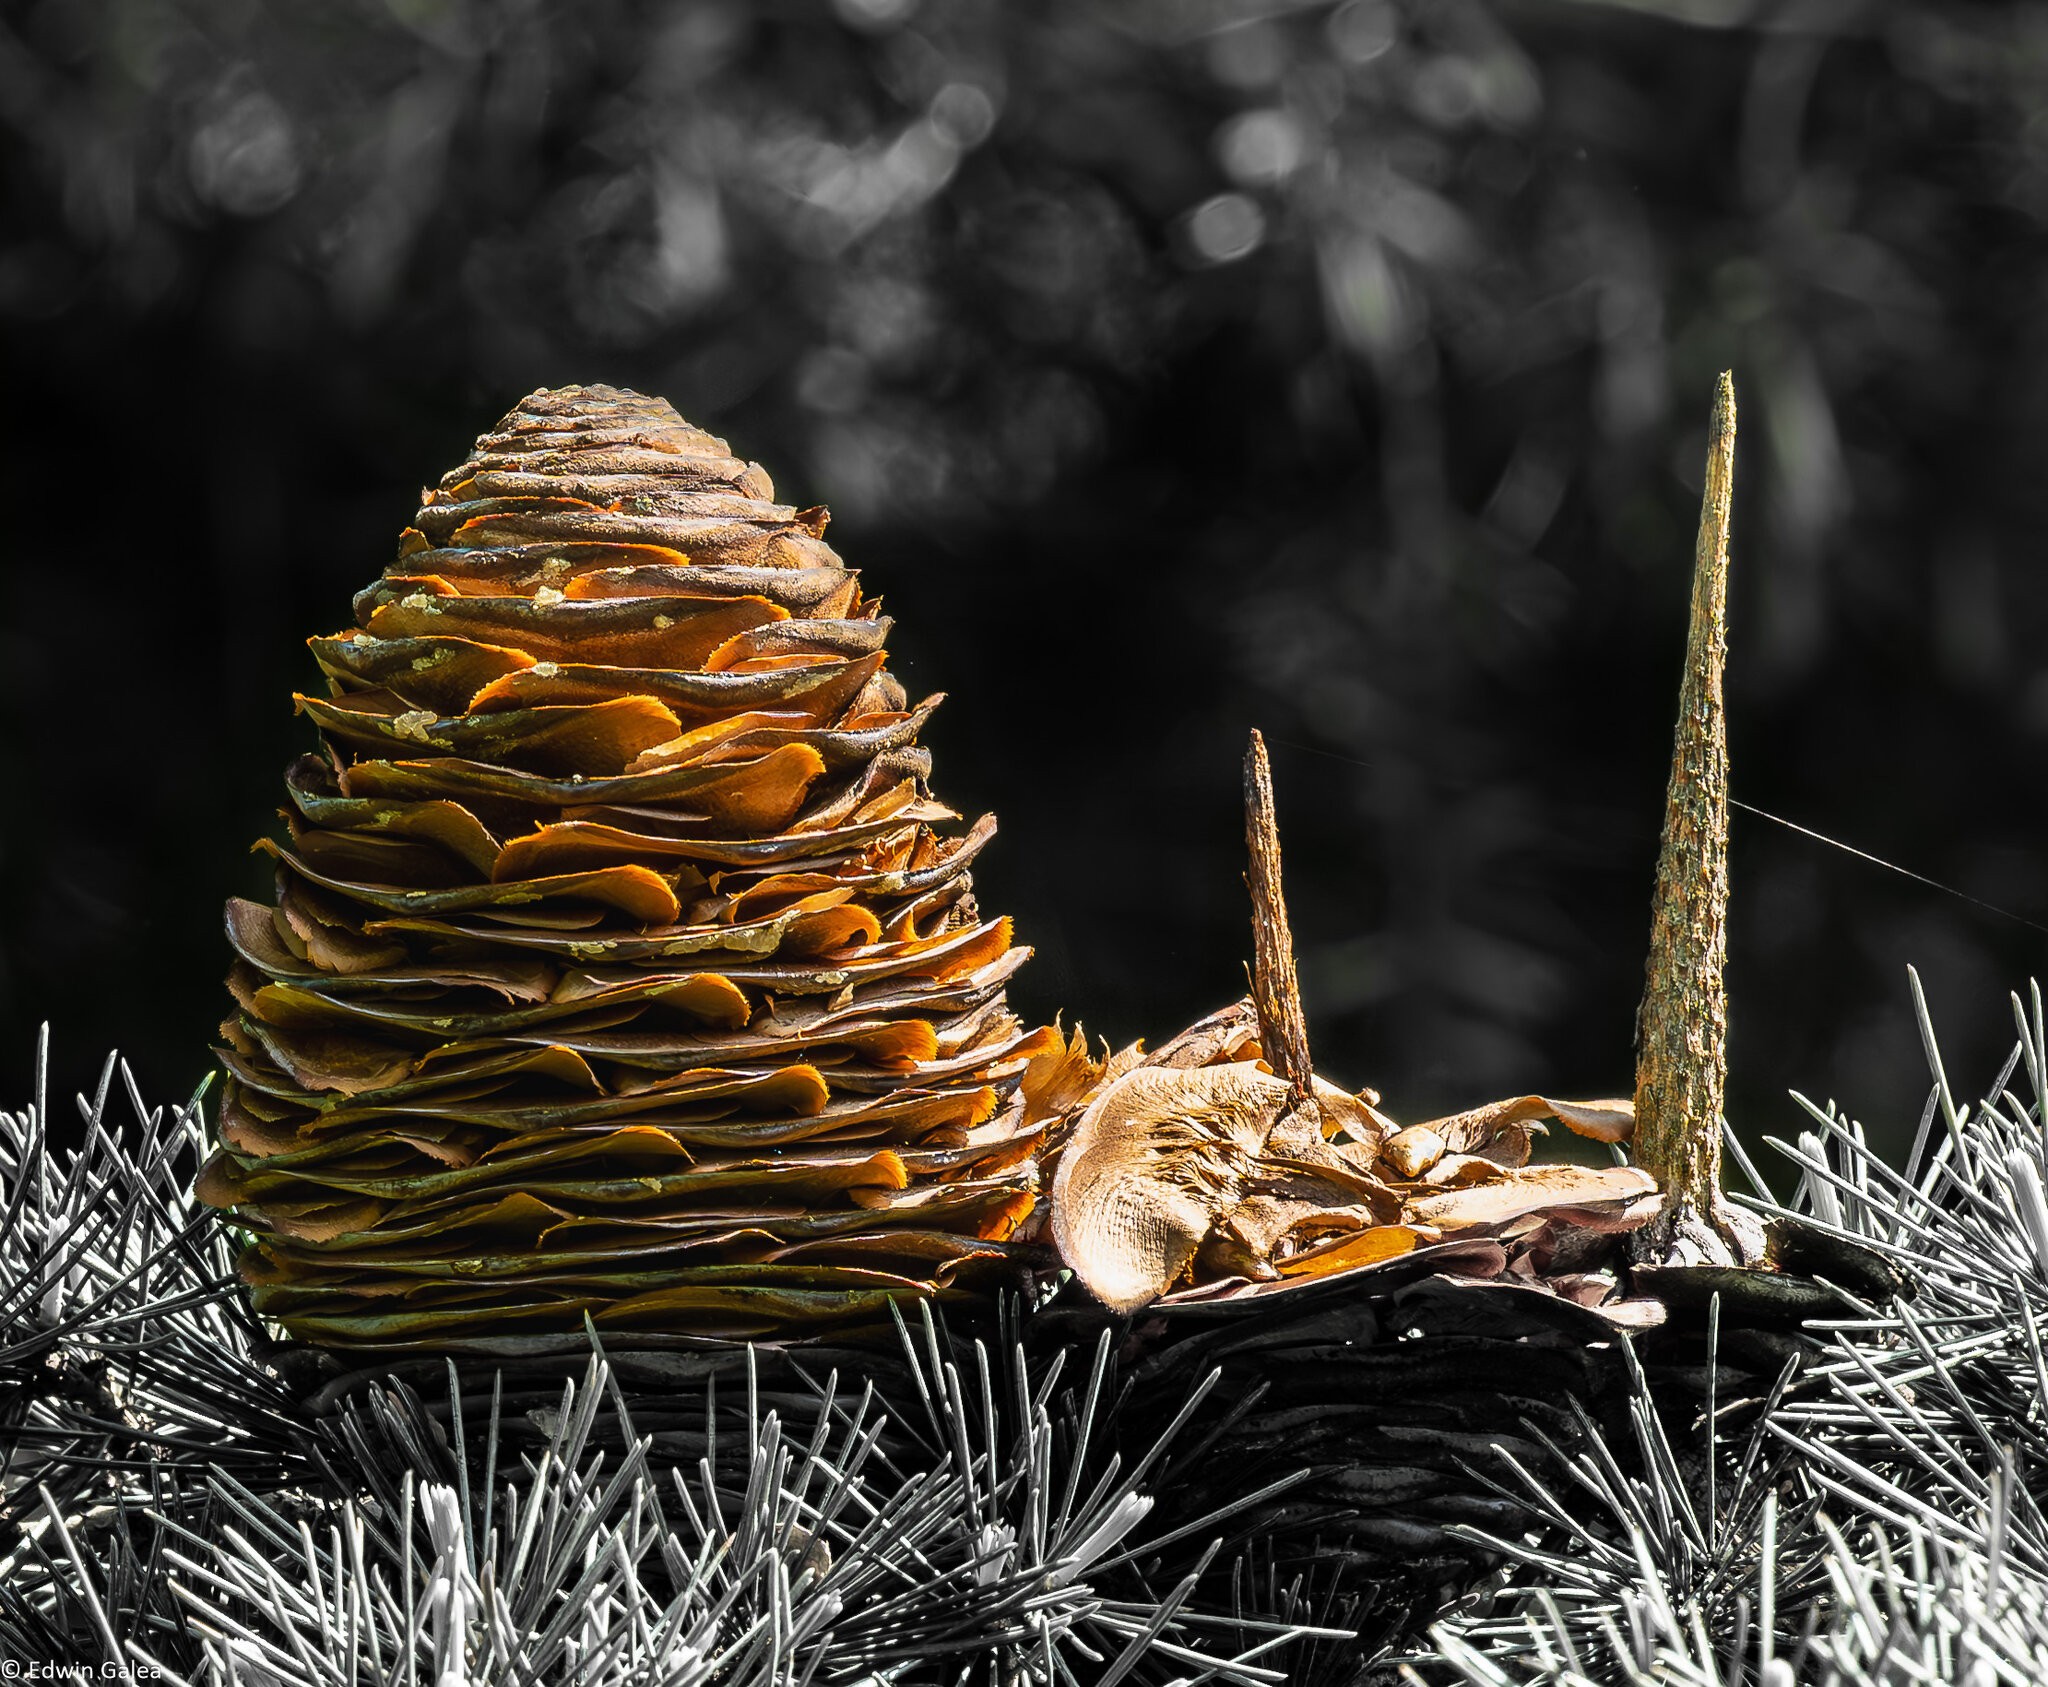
[619, 965]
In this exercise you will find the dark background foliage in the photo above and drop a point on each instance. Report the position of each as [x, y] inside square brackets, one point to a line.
[1171, 368]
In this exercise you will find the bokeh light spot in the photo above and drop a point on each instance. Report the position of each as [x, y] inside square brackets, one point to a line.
[1227, 227]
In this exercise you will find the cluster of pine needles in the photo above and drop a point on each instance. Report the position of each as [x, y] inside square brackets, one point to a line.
[1877, 1521]
[172, 1509]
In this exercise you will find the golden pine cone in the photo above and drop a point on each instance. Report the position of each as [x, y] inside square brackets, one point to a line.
[620, 964]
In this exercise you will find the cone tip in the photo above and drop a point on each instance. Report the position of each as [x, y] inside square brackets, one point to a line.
[1724, 404]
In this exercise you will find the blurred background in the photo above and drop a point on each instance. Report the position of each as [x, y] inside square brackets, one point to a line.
[1171, 368]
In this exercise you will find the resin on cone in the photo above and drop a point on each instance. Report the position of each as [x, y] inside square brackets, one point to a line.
[621, 964]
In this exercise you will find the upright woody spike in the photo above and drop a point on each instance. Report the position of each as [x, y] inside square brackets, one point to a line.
[1682, 1026]
[1276, 994]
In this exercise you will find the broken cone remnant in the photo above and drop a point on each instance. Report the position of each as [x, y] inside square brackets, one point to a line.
[1682, 1028]
[620, 963]
[1221, 1166]
[1190, 1172]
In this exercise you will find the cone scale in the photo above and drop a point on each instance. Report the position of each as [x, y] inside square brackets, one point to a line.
[621, 963]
